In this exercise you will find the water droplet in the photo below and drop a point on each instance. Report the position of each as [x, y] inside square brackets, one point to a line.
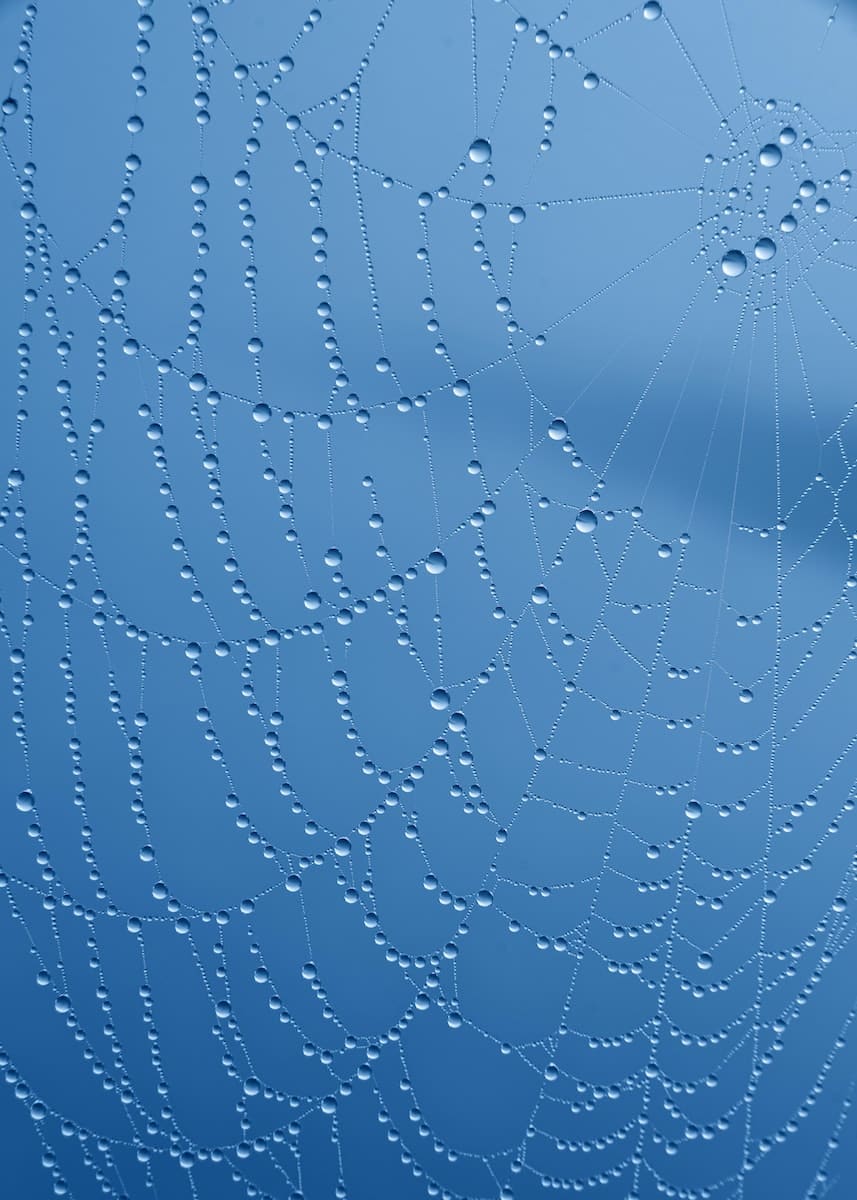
[591, 81]
[436, 563]
[440, 699]
[540, 595]
[517, 215]
[788, 223]
[480, 151]
[765, 249]
[733, 264]
[651, 11]
[787, 136]
[586, 521]
[558, 430]
[770, 155]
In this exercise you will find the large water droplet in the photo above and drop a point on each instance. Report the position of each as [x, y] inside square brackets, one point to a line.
[480, 151]
[436, 563]
[733, 264]
[770, 155]
[765, 249]
[586, 521]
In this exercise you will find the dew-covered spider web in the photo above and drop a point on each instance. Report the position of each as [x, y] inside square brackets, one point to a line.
[429, 710]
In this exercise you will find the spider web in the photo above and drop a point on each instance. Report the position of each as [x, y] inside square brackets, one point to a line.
[427, 593]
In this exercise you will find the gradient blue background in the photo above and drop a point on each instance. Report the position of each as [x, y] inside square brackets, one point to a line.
[273, 923]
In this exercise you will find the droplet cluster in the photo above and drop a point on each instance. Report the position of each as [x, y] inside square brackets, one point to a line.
[427, 604]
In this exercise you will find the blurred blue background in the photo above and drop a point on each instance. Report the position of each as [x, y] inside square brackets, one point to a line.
[426, 597]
